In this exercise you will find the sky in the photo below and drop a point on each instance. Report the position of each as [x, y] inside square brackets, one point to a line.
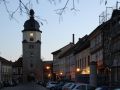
[55, 34]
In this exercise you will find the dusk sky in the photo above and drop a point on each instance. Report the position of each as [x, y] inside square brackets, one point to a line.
[55, 34]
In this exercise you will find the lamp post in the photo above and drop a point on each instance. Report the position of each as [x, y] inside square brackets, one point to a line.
[61, 75]
[48, 72]
[77, 73]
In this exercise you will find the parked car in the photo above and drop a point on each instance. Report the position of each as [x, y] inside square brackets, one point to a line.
[108, 88]
[39, 82]
[1, 85]
[117, 89]
[59, 86]
[6, 84]
[42, 83]
[12, 83]
[50, 85]
[68, 86]
[80, 86]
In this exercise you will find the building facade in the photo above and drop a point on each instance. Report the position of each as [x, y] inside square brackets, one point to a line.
[112, 48]
[104, 44]
[48, 71]
[82, 59]
[59, 63]
[68, 64]
[6, 70]
[96, 50]
[17, 68]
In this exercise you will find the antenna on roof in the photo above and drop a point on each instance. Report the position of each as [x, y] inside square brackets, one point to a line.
[117, 5]
[105, 15]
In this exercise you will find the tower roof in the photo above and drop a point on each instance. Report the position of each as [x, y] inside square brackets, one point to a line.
[31, 24]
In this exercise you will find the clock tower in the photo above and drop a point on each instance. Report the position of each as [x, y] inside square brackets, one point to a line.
[31, 45]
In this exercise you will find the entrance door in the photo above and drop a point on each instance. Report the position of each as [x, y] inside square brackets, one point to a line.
[31, 77]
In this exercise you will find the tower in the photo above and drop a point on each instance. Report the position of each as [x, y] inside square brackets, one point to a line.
[31, 45]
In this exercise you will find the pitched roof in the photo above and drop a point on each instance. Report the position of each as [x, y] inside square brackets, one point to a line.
[47, 62]
[58, 51]
[79, 46]
[68, 52]
[82, 44]
[115, 14]
[18, 63]
[5, 61]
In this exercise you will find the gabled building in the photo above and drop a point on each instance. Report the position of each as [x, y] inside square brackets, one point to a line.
[59, 63]
[82, 59]
[5, 70]
[82, 55]
[112, 48]
[18, 70]
[96, 51]
[69, 63]
[104, 48]
[115, 53]
[48, 71]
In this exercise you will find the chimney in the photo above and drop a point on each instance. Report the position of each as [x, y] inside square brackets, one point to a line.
[73, 38]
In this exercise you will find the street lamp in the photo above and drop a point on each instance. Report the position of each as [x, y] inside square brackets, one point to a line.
[77, 74]
[49, 76]
[78, 70]
[47, 67]
[61, 73]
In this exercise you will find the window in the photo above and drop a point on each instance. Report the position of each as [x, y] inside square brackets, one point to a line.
[80, 63]
[88, 60]
[85, 62]
[31, 46]
[31, 65]
[31, 39]
[31, 54]
[18, 70]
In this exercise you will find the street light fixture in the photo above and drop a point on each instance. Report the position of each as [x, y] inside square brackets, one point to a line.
[78, 70]
[61, 73]
[49, 75]
[47, 67]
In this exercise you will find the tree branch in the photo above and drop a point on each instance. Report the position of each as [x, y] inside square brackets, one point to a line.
[60, 11]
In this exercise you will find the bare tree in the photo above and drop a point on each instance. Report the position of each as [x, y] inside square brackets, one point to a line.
[23, 7]
[103, 1]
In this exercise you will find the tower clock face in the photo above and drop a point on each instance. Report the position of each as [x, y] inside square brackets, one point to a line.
[31, 34]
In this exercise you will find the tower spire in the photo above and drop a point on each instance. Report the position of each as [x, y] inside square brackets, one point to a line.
[31, 13]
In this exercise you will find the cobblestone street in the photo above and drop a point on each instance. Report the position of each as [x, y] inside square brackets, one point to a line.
[29, 86]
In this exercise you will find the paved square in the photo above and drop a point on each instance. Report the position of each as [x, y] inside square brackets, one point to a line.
[28, 86]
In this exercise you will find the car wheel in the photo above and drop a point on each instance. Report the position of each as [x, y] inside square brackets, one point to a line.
[52, 88]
